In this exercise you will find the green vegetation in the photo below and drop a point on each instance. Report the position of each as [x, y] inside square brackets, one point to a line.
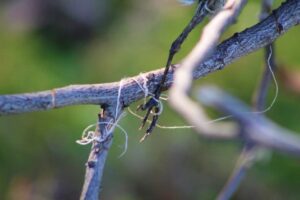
[38, 153]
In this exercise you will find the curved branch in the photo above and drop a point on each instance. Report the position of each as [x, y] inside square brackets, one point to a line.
[178, 97]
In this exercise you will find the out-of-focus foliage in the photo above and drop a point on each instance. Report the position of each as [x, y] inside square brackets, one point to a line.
[39, 158]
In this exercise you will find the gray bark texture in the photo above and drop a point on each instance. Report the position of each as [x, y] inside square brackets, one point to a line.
[240, 44]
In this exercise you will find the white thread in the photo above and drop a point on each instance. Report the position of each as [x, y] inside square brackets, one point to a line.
[158, 125]
[275, 83]
[90, 136]
[143, 87]
[145, 80]
[160, 107]
[87, 138]
[218, 119]
[164, 97]
[176, 127]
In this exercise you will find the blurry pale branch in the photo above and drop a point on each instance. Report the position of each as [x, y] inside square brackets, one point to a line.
[240, 44]
[179, 98]
[189, 109]
[254, 128]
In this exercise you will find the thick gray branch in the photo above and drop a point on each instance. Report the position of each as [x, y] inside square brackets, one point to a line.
[240, 44]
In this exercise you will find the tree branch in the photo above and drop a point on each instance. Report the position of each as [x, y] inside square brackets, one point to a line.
[240, 44]
[99, 151]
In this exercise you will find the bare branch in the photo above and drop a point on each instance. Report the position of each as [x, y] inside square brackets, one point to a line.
[96, 161]
[241, 44]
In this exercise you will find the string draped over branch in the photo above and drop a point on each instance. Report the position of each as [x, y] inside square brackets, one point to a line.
[96, 161]
[240, 44]
[107, 121]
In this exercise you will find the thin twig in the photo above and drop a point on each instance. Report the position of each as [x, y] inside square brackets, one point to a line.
[244, 162]
[95, 167]
[96, 161]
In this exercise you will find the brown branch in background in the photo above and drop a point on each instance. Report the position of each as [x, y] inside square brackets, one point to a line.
[250, 150]
[241, 44]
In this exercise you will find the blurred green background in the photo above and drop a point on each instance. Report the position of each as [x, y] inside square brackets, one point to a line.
[49, 44]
